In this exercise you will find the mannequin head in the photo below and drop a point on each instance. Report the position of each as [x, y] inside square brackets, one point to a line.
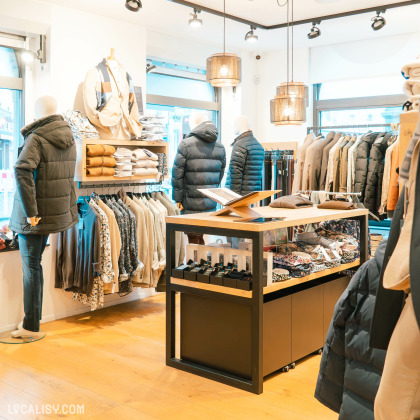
[44, 106]
[242, 125]
[196, 118]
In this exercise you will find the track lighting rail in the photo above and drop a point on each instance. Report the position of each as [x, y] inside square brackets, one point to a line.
[297, 22]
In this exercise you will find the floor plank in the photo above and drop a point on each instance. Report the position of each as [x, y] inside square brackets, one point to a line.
[112, 362]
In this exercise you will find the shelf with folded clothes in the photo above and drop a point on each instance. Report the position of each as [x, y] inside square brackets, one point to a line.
[267, 289]
[87, 168]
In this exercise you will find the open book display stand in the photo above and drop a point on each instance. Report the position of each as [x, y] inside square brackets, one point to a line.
[242, 209]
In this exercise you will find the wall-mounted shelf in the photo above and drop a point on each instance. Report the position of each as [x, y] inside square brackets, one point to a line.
[80, 175]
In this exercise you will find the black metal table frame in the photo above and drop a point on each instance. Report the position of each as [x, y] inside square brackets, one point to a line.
[255, 384]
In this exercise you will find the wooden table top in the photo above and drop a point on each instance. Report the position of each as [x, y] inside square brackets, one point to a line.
[293, 217]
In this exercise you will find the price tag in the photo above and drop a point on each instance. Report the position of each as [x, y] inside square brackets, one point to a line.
[81, 225]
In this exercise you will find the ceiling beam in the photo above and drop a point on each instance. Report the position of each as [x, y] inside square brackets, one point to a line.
[297, 22]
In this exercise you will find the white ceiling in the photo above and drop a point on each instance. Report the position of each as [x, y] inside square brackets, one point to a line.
[171, 18]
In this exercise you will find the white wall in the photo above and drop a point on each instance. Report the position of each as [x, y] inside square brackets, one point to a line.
[193, 53]
[363, 59]
[271, 70]
[76, 42]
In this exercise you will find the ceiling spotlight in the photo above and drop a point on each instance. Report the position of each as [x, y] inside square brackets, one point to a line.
[250, 36]
[315, 31]
[378, 22]
[150, 67]
[133, 5]
[195, 22]
[27, 56]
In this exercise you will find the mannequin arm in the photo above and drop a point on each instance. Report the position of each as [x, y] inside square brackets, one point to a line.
[236, 169]
[178, 173]
[24, 173]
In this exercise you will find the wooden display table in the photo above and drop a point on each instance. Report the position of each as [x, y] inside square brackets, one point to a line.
[235, 336]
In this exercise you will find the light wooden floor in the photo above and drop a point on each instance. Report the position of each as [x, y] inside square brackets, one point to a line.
[112, 361]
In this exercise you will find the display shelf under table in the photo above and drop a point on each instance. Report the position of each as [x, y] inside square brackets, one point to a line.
[267, 289]
[235, 336]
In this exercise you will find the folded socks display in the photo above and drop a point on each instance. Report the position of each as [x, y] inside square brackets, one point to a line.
[108, 161]
[100, 171]
[99, 150]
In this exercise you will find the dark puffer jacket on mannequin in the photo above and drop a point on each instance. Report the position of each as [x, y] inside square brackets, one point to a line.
[372, 200]
[350, 370]
[199, 163]
[362, 163]
[44, 175]
[246, 164]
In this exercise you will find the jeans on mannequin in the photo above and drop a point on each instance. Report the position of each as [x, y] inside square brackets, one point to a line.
[31, 249]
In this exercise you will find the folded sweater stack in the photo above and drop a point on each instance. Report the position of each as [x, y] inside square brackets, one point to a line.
[100, 160]
[135, 162]
[411, 72]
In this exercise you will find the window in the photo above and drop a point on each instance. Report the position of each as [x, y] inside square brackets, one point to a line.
[359, 102]
[176, 94]
[10, 125]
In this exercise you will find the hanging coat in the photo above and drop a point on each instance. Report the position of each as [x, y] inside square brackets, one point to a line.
[350, 370]
[372, 200]
[362, 163]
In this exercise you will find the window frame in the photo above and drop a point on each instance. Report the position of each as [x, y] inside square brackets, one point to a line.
[16, 84]
[322, 105]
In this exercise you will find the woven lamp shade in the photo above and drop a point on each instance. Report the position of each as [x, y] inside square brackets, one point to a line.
[288, 110]
[224, 69]
[295, 89]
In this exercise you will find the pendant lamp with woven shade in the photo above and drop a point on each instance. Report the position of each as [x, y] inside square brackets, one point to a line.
[224, 69]
[289, 105]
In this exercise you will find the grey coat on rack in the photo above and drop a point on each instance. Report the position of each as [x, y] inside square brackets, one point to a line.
[199, 163]
[362, 163]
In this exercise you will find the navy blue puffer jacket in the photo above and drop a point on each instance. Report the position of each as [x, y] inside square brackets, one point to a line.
[246, 165]
[199, 163]
[351, 370]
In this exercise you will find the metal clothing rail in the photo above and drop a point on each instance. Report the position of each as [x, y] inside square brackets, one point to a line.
[339, 127]
[82, 186]
[357, 194]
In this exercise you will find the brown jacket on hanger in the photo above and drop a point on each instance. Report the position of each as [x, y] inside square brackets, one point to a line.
[309, 162]
[325, 157]
[393, 191]
[336, 162]
[300, 162]
[316, 159]
[343, 165]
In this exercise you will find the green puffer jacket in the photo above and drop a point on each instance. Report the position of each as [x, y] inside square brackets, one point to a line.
[44, 175]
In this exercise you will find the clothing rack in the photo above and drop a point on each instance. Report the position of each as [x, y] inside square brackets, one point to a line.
[83, 186]
[356, 194]
[339, 127]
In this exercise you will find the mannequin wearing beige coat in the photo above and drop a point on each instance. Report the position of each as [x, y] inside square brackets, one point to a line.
[115, 120]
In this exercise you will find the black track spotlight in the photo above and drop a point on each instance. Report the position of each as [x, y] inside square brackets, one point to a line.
[315, 31]
[250, 36]
[378, 22]
[194, 21]
[133, 5]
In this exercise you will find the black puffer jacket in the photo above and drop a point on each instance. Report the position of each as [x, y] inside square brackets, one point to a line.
[372, 200]
[199, 163]
[44, 175]
[246, 164]
[350, 370]
[362, 163]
